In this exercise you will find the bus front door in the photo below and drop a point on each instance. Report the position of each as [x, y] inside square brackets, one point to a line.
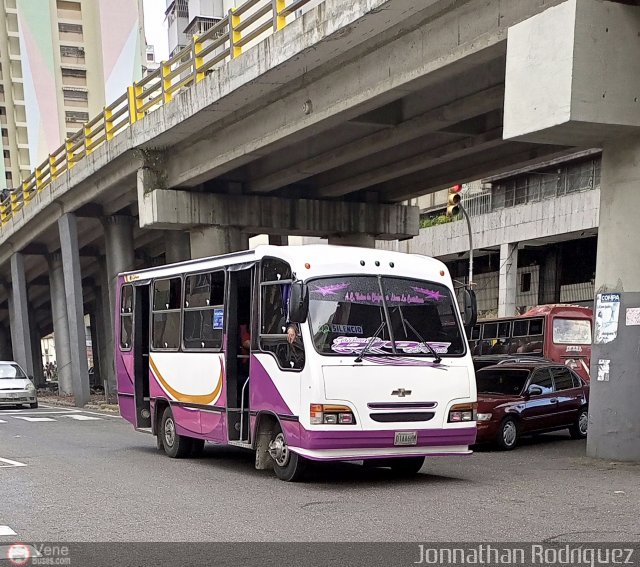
[238, 347]
[141, 356]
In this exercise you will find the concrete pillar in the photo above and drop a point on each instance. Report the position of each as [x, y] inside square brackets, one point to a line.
[5, 344]
[36, 349]
[105, 331]
[67, 225]
[178, 247]
[362, 240]
[12, 324]
[22, 351]
[614, 420]
[214, 241]
[118, 233]
[277, 240]
[508, 280]
[549, 290]
[60, 324]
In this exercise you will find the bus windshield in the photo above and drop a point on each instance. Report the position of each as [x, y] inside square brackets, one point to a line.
[571, 332]
[348, 313]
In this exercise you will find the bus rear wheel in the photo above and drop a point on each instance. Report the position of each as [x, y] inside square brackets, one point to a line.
[287, 465]
[175, 446]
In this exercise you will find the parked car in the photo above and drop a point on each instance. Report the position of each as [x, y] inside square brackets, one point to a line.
[516, 399]
[491, 359]
[15, 387]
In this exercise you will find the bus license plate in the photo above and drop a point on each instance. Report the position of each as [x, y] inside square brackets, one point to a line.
[406, 438]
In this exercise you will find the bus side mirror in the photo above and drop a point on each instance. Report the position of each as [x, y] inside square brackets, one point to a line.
[470, 309]
[298, 303]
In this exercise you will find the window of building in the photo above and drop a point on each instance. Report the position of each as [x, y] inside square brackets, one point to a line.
[70, 72]
[8, 176]
[68, 5]
[126, 317]
[72, 51]
[69, 28]
[525, 282]
[75, 116]
[4, 132]
[75, 94]
[165, 319]
[3, 111]
[203, 311]
[150, 57]
[6, 154]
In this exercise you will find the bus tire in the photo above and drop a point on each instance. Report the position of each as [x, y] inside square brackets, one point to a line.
[406, 466]
[579, 428]
[507, 437]
[175, 446]
[287, 465]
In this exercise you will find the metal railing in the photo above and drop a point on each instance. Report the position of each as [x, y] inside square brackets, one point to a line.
[244, 26]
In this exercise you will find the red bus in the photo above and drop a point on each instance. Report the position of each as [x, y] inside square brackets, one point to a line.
[561, 333]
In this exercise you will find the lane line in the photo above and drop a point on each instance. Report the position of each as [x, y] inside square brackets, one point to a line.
[87, 412]
[83, 417]
[10, 463]
[36, 419]
[2, 421]
[12, 413]
[6, 531]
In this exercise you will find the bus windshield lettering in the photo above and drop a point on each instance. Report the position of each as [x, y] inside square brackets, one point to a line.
[345, 313]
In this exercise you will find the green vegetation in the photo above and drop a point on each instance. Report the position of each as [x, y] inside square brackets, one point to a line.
[435, 220]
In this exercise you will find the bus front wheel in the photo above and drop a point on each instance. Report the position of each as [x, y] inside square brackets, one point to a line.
[175, 446]
[287, 465]
[406, 466]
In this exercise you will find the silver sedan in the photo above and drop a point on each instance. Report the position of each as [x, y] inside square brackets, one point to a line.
[15, 387]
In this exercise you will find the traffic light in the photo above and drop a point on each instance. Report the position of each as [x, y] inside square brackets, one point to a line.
[453, 201]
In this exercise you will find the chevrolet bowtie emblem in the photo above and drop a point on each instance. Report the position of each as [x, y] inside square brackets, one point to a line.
[401, 392]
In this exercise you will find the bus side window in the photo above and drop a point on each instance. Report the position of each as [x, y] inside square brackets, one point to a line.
[203, 311]
[273, 327]
[165, 329]
[126, 317]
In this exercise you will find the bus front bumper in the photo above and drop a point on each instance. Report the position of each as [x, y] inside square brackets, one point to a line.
[358, 445]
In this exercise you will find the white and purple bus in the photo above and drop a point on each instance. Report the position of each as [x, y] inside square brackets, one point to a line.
[301, 353]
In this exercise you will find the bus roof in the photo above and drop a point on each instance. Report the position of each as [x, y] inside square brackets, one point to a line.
[558, 309]
[314, 260]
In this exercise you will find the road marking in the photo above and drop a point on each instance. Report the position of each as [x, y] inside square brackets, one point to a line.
[6, 530]
[33, 418]
[80, 417]
[2, 421]
[10, 463]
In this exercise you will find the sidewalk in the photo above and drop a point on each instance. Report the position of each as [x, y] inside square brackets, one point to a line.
[96, 402]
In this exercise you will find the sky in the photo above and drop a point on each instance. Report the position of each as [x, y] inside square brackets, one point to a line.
[155, 27]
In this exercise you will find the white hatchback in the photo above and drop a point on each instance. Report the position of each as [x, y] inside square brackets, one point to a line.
[15, 387]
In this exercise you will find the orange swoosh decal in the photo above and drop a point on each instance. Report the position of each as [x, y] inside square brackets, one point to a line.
[204, 399]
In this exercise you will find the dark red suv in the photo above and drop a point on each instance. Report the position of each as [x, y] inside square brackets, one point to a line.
[524, 398]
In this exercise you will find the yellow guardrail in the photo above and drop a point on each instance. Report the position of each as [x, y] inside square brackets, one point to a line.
[227, 39]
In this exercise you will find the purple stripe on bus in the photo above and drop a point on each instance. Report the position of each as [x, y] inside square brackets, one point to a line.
[396, 456]
[263, 393]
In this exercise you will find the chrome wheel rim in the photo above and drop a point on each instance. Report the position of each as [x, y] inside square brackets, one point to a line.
[279, 451]
[583, 422]
[169, 432]
[509, 433]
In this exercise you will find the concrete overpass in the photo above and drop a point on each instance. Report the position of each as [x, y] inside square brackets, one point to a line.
[324, 127]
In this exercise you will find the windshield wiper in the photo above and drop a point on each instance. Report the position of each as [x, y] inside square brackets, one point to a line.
[373, 338]
[436, 357]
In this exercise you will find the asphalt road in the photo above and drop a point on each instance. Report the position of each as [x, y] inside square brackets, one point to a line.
[91, 477]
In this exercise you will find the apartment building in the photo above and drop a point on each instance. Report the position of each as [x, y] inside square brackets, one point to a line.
[61, 62]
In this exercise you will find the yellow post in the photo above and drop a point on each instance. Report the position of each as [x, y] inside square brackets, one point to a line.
[68, 144]
[87, 140]
[5, 211]
[166, 82]
[53, 170]
[108, 123]
[234, 36]
[38, 174]
[279, 21]
[15, 204]
[133, 93]
[197, 60]
[26, 194]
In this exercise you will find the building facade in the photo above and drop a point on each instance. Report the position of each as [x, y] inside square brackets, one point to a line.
[61, 62]
[534, 235]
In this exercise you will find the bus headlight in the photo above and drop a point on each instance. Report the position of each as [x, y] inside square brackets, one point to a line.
[462, 412]
[483, 416]
[323, 414]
